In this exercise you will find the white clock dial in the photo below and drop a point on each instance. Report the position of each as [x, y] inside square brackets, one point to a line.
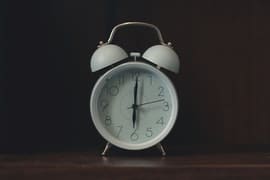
[134, 105]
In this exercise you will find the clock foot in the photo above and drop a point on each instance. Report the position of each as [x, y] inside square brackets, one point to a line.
[107, 147]
[160, 147]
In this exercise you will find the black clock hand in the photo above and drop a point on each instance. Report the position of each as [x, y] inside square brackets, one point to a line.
[134, 106]
[145, 103]
[150, 102]
[134, 116]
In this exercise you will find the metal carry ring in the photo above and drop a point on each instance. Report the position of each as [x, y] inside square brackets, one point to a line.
[116, 28]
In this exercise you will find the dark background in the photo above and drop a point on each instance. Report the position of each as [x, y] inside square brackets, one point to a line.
[45, 48]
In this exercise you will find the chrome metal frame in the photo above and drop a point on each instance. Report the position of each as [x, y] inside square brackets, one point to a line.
[119, 26]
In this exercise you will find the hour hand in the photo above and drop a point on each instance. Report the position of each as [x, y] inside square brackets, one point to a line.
[145, 103]
[134, 117]
[150, 102]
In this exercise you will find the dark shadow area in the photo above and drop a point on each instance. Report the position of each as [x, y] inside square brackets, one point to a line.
[45, 49]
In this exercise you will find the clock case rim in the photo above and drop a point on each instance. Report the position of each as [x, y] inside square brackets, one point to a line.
[111, 139]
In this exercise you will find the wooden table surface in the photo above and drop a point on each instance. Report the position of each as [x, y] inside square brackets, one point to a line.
[90, 165]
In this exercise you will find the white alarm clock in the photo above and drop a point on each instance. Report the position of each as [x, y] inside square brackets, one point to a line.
[134, 105]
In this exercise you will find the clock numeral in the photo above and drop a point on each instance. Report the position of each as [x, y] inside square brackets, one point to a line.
[121, 80]
[166, 106]
[134, 75]
[160, 121]
[134, 136]
[150, 79]
[161, 91]
[149, 132]
[104, 105]
[112, 91]
[119, 130]
[108, 120]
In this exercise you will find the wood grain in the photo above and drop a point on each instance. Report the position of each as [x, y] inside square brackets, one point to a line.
[87, 165]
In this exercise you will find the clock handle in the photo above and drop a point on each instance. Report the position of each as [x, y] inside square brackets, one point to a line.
[136, 24]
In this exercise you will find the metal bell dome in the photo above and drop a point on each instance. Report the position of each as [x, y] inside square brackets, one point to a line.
[106, 55]
[163, 56]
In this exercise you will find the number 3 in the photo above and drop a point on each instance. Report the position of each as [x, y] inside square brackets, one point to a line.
[166, 106]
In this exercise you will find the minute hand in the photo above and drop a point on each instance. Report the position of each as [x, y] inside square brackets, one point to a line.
[134, 105]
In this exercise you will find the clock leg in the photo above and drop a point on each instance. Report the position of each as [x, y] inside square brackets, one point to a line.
[107, 147]
[160, 147]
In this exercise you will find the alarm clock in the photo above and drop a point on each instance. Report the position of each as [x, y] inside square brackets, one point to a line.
[134, 105]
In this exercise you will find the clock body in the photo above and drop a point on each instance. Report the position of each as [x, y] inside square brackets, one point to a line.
[130, 121]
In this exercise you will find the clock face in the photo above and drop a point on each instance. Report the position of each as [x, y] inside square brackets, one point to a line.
[134, 105]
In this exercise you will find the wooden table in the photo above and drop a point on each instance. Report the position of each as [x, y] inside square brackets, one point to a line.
[89, 165]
